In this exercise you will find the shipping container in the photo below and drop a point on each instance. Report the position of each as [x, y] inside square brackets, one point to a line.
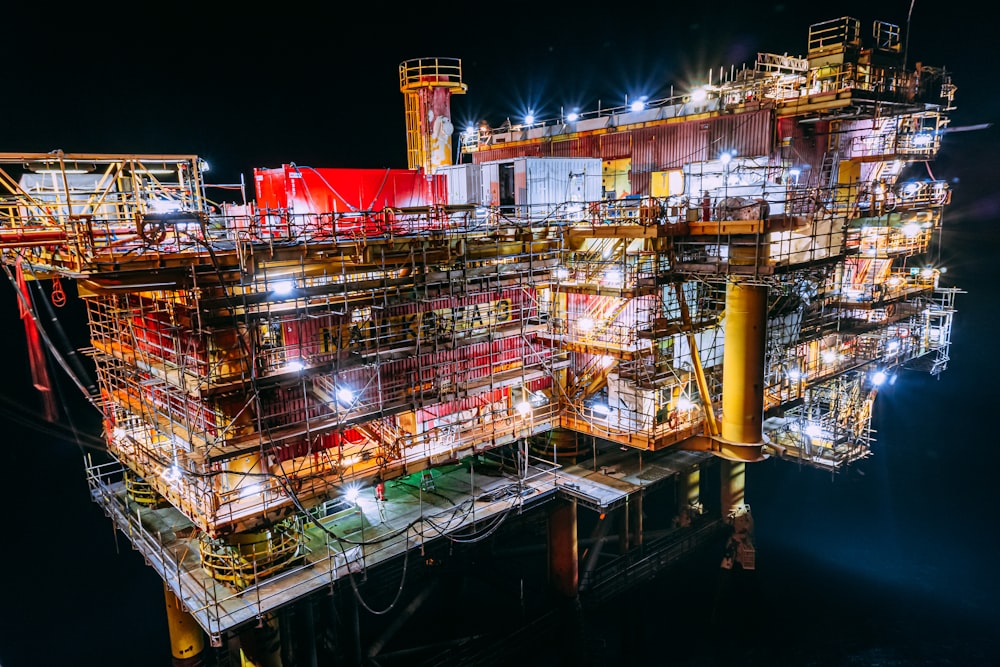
[539, 187]
[463, 183]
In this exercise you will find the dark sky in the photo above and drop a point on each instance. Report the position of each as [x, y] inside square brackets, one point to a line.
[907, 539]
[320, 87]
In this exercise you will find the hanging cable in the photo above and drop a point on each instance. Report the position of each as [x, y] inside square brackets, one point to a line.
[23, 299]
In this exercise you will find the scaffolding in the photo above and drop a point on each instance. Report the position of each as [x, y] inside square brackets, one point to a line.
[255, 359]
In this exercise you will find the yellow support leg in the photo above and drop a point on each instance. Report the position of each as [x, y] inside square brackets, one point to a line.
[187, 640]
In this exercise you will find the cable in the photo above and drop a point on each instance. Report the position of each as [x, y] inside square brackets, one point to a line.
[55, 353]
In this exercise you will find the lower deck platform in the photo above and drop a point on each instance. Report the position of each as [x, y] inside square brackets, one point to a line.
[344, 538]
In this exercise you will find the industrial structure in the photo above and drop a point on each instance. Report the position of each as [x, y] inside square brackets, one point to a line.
[589, 312]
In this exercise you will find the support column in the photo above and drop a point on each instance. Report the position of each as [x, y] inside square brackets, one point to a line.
[260, 646]
[624, 527]
[307, 635]
[635, 527]
[688, 498]
[743, 364]
[733, 485]
[741, 435]
[564, 575]
[187, 641]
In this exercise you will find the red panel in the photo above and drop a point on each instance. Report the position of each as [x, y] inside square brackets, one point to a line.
[502, 152]
[807, 142]
[617, 145]
[746, 134]
[324, 190]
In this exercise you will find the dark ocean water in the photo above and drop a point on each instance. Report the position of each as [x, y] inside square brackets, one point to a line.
[889, 564]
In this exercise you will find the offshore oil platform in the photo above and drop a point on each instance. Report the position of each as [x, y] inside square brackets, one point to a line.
[590, 322]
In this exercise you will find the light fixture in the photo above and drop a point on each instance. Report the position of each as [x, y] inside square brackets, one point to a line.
[699, 95]
[283, 287]
[345, 396]
[57, 167]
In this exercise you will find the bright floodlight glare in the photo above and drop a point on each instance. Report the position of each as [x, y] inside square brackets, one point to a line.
[585, 324]
[171, 474]
[684, 403]
[351, 494]
[295, 366]
[613, 277]
[910, 230]
[523, 408]
[530, 118]
[572, 116]
[878, 378]
[283, 287]
[637, 105]
[726, 157]
[561, 273]
[345, 395]
[699, 95]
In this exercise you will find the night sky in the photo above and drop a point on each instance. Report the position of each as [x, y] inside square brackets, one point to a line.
[891, 563]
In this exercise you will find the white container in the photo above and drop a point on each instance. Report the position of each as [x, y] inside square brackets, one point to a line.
[539, 188]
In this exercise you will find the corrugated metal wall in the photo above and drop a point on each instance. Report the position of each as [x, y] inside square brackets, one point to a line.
[804, 144]
[661, 146]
